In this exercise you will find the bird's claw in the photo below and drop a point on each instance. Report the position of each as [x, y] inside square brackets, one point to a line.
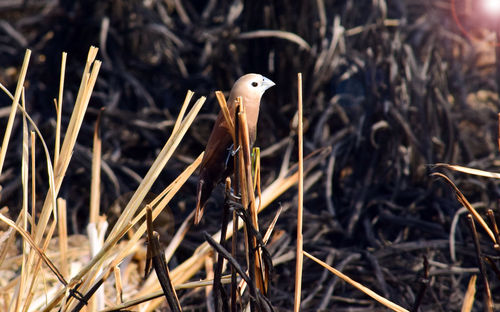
[231, 153]
[235, 151]
[234, 196]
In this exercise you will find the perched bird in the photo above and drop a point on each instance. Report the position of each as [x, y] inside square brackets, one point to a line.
[215, 166]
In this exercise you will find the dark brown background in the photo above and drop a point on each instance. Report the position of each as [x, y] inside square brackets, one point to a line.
[402, 89]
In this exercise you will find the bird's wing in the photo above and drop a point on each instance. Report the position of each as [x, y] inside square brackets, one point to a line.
[217, 147]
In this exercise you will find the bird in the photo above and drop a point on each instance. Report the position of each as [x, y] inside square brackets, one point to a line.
[216, 164]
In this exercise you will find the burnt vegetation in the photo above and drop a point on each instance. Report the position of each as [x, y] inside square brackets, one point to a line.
[391, 88]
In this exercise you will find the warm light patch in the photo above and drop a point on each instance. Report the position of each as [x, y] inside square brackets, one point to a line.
[492, 7]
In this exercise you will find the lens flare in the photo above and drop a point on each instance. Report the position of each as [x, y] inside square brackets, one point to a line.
[492, 7]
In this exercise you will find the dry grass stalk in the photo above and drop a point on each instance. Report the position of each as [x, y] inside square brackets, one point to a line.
[38, 266]
[95, 183]
[482, 268]
[118, 283]
[96, 232]
[192, 265]
[476, 172]
[30, 263]
[270, 229]
[13, 110]
[89, 78]
[33, 268]
[159, 293]
[359, 286]
[300, 204]
[33, 183]
[461, 198]
[179, 236]
[174, 187]
[242, 285]
[246, 170]
[24, 210]
[156, 260]
[27, 239]
[124, 223]
[470, 294]
[209, 269]
[182, 112]
[63, 236]
[248, 199]
[8, 239]
[156, 168]
[59, 294]
[105, 262]
[57, 145]
[221, 99]
[493, 221]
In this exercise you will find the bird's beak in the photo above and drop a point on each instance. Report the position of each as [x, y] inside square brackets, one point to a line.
[267, 83]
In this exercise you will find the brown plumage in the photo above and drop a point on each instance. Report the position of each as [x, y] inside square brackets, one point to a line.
[214, 167]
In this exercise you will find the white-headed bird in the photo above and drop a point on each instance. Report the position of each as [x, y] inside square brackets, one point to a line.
[215, 166]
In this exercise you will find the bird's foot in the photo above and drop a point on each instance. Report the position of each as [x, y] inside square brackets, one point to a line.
[235, 151]
[231, 153]
[234, 197]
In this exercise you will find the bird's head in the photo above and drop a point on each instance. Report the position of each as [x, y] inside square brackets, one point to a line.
[252, 84]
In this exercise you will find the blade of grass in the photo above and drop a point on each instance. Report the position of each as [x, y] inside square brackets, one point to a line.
[270, 229]
[118, 283]
[300, 241]
[219, 297]
[248, 200]
[27, 237]
[96, 233]
[482, 268]
[472, 171]
[95, 184]
[225, 111]
[50, 173]
[141, 192]
[234, 292]
[176, 185]
[33, 183]
[86, 86]
[25, 271]
[359, 286]
[38, 268]
[59, 108]
[157, 167]
[179, 236]
[491, 216]
[463, 200]
[63, 236]
[159, 293]
[129, 246]
[13, 110]
[182, 112]
[469, 295]
[192, 265]
[157, 257]
[78, 277]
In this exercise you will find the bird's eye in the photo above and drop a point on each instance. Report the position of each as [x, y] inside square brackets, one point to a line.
[255, 84]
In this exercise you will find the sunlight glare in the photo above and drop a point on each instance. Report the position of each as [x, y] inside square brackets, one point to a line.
[492, 7]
